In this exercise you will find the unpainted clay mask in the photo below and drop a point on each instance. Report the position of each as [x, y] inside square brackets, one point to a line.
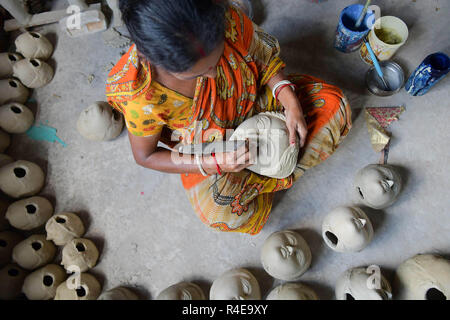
[11, 280]
[182, 291]
[100, 122]
[42, 283]
[292, 291]
[285, 255]
[33, 73]
[81, 287]
[81, 253]
[12, 90]
[5, 141]
[21, 179]
[5, 159]
[236, 284]
[34, 45]
[377, 186]
[362, 284]
[275, 157]
[118, 293]
[4, 224]
[347, 229]
[423, 277]
[8, 240]
[34, 252]
[15, 118]
[63, 227]
[7, 60]
[30, 213]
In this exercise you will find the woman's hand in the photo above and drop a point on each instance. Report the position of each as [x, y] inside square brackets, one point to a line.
[295, 122]
[235, 161]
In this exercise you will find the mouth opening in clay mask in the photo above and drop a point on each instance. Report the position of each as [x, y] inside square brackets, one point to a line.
[31, 209]
[80, 247]
[13, 272]
[3, 243]
[35, 35]
[435, 294]
[20, 172]
[348, 296]
[47, 281]
[11, 57]
[332, 237]
[35, 63]
[16, 109]
[13, 84]
[36, 245]
[81, 292]
[60, 220]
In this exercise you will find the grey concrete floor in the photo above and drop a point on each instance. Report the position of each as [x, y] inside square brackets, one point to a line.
[148, 234]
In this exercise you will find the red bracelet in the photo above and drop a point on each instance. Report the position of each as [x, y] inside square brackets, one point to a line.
[293, 86]
[217, 165]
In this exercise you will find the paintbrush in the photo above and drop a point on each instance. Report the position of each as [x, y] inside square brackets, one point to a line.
[376, 64]
[363, 14]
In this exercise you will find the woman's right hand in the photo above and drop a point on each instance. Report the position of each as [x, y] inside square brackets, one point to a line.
[235, 161]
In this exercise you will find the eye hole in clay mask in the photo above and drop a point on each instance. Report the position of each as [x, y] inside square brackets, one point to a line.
[246, 287]
[360, 192]
[3, 243]
[36, 245]
[31, 209]
[20, 172]
[81, 292]
[435, 294]
[35, 35]
[116, 114]
[348, 296]
[13, 272]
[11, 57]
[47, 281]
[80, 247]
[332, 237]
[13, 84]
[60, 220]
[35, 63]
[16, 109]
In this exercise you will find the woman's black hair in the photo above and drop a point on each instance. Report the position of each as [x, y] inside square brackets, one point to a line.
[174, 34]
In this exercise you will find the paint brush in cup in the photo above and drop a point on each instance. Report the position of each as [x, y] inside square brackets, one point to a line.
[363, 14]
[376, 64]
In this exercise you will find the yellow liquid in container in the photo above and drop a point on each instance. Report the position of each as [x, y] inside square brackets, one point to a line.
[388, 35]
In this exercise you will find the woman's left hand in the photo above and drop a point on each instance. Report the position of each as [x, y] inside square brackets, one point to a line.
[295, 122]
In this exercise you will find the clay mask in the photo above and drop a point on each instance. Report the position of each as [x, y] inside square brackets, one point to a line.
[84, 287]
[21, 179]
[275, 158]
[63, 227]
[377, 186]
[236, 284]
[100, 122]
[8, 240]
[30, 213]
[34, 252]
[292, 291]
[5, 141]
[423, 277]
[34, 45]
[5, 159]
[11, 280]
[12, 90]
[347, 229]
[7, 60]
[15, 118]
[33, 73]
[182, 291]
[285, 255]
[361, 284]
[119, 293]
[81, 253]
[42, 283]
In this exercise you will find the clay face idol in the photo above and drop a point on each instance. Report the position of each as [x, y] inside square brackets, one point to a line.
[182, 291]
[275, 157]
[292, 291]
[285, 255]
[377, 186]
[347, 229]
[236, 284]
[100, 122]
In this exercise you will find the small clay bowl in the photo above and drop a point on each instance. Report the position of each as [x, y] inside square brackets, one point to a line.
[393, 75]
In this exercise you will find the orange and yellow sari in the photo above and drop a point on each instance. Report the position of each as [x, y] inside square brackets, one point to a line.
[239, 202]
